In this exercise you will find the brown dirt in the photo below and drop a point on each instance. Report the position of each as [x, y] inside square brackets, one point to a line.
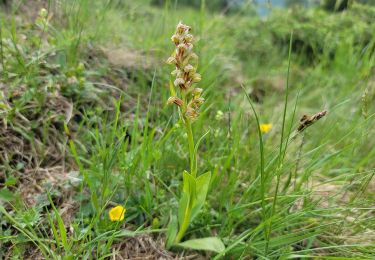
[146, 247]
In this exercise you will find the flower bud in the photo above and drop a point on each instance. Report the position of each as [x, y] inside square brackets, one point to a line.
[197, 77]
[198, 101]
[219, 115]
[43, 13]
[189, 47]
[182, 28]
[197, 92]
[188, 38]
[193, 56]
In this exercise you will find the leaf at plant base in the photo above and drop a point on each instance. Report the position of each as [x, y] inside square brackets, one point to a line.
[202, 184]
[172, 231]
[183, 207]
[189, 183]
[208, 244]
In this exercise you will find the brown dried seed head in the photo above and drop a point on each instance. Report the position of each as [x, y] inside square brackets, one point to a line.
[307, 121]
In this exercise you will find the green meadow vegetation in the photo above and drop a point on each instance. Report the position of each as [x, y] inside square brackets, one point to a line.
[259, 145]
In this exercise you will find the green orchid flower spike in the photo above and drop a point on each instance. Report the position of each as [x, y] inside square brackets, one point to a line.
[188, 98]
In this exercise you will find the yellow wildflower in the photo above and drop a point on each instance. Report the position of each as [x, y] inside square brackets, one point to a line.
[265, 128]
[117, 213]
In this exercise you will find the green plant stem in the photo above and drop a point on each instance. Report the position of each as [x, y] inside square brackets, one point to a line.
[193, 172]
[281, 152]
[262, 169]
[189, 131]
[185, 223]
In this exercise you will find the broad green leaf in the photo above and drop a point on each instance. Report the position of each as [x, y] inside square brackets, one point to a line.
[202, 184]
[208, 244]
[189, 187]
[183, 207]
[189, 183]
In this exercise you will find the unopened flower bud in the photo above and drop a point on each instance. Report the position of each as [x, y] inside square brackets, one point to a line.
[43, 13]
[197, 92]
[193, 56]
[188, 38]
[219, 115]
[199, 101]
[182, 28]
[189, 47]
[197, 77]
[80, 67]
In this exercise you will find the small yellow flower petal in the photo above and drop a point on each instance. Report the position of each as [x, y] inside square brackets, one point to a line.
[117, 213]
[265, 128]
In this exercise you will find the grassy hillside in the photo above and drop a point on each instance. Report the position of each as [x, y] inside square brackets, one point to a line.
[85, 127]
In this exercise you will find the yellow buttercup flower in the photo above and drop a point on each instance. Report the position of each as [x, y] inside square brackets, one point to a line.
[117, 213]
[265, 128]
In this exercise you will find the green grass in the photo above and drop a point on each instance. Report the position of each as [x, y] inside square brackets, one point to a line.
[106, 128]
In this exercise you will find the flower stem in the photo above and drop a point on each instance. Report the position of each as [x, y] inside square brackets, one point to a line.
[185, 223]
[189, 131]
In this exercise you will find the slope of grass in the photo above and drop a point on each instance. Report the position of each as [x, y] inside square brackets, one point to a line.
[85, 127]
